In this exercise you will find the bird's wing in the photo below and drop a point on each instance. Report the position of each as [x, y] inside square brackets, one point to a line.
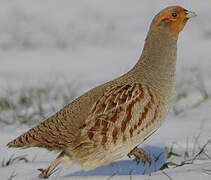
[120, 112]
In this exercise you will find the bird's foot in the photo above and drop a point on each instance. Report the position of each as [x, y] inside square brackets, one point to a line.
[142, 155]
[45, 173]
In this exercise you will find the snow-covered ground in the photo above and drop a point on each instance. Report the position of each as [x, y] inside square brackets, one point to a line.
[88, 42]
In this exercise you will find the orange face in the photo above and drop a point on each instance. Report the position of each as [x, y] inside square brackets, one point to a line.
[174, 17]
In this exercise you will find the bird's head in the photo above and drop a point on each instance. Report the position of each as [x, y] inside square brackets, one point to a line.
[174, 18]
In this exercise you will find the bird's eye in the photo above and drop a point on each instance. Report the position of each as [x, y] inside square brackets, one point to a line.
[174, 15]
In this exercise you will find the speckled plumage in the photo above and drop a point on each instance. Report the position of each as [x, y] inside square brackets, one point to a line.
[110, 120]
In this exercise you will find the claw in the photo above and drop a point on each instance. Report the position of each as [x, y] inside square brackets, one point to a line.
[140, 154]
[45, 173]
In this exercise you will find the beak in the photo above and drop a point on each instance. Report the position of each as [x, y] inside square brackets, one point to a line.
[190, 14]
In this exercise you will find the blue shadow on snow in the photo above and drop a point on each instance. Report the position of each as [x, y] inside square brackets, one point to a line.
[128, 167]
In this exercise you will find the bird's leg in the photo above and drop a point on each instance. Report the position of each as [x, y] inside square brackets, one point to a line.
[142, 155]
[45, 173]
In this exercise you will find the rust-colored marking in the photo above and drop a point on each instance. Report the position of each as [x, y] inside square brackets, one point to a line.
[155, 115]
[90, 135]
[151, 96]
[104, 131]
[124, 138]
[148, 124]
[104, 140]
[141, 89]
[114, 117]
[105, 127]
[103, 105]
[138, 132]
[114, 134]
[131, 132]
[129, 110]
[90, 132]
[144, 114]
[129, 116]
[92, 129]
[123, 126]
[97, 123]
[135, 127]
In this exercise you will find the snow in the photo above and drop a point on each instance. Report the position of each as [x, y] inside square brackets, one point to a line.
[88, 43]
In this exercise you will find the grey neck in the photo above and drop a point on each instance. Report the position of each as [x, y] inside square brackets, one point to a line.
[158, 60]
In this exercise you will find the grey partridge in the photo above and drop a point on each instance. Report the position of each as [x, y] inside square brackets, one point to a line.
[111, 120]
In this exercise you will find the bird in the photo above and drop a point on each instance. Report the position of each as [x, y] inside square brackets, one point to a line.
[111, 120]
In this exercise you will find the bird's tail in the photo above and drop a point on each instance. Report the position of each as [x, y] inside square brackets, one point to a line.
[48, 134]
